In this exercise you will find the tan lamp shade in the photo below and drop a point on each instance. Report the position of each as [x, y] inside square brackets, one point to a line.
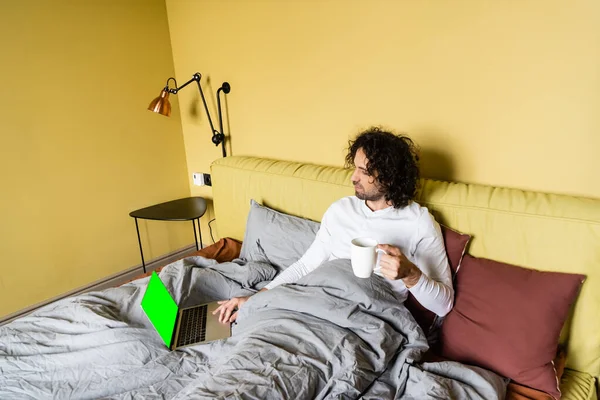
[161, 104]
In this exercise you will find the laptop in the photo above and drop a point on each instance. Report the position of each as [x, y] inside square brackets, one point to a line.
[181, 327]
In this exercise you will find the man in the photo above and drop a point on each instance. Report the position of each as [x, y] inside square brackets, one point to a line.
[385, 179]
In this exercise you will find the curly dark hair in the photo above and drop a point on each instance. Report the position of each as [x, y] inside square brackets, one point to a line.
[392, 159]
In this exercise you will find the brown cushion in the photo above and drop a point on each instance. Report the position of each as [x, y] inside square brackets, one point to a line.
[222, 251]
[515, 391]
[455, 243]
[508, 319]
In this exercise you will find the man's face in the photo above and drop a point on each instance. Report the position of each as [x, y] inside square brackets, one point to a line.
[365, 185]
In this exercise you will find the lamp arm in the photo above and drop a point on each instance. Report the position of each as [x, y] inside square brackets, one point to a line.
[217, 136]
[219, 109]
[221, 119]
[195, 78]
[212, 127]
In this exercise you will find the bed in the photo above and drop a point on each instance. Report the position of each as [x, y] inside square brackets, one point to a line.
[330, 335]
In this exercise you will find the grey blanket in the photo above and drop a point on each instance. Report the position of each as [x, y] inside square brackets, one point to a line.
[331, 335]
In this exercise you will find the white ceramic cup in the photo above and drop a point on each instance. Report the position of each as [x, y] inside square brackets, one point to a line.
[365, 257]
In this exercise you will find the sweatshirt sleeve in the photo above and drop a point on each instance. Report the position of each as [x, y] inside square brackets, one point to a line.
[434, 289]
[317, 253]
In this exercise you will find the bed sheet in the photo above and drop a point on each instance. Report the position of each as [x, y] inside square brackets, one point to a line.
[330, 335]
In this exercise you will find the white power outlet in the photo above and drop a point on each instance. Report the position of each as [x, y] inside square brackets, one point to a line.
[201, 179]
[198, 178]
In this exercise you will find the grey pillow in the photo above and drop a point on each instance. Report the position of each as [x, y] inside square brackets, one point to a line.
[277, 238]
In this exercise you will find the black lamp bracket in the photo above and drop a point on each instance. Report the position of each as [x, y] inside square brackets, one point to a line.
[218, 138]
[174, 91]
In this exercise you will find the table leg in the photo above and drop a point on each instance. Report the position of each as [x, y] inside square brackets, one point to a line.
[200, 233]
[195, 235]
[140, 243]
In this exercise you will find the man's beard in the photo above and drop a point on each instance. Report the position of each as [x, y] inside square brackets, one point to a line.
[372, 196]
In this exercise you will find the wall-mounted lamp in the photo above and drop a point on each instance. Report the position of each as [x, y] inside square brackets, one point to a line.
[162, 106]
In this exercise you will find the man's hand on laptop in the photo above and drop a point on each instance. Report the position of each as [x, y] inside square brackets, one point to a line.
[227, 307]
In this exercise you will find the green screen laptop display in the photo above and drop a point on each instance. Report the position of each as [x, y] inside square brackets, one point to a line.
[160, 308]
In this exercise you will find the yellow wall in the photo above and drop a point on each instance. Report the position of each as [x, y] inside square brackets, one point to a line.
[79, 150]
[495, 92]
[501, 93]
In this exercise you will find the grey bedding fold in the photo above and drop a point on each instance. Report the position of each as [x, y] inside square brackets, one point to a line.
[329, 336]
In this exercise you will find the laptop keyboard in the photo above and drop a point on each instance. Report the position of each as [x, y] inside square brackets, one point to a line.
[193, 325]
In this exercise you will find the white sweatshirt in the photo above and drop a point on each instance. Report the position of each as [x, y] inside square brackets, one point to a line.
[412, 229]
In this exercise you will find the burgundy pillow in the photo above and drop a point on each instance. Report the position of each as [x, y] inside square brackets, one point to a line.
[508, 319]
[455, 243]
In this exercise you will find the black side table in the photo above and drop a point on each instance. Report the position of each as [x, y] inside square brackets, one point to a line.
[189, 208]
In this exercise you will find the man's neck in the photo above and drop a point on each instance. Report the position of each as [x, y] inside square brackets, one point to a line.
[376, 205]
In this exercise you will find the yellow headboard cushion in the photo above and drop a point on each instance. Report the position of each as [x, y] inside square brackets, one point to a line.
[529, 229]
[299, 189]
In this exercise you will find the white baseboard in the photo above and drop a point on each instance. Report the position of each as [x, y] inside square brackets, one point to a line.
[109, 281]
